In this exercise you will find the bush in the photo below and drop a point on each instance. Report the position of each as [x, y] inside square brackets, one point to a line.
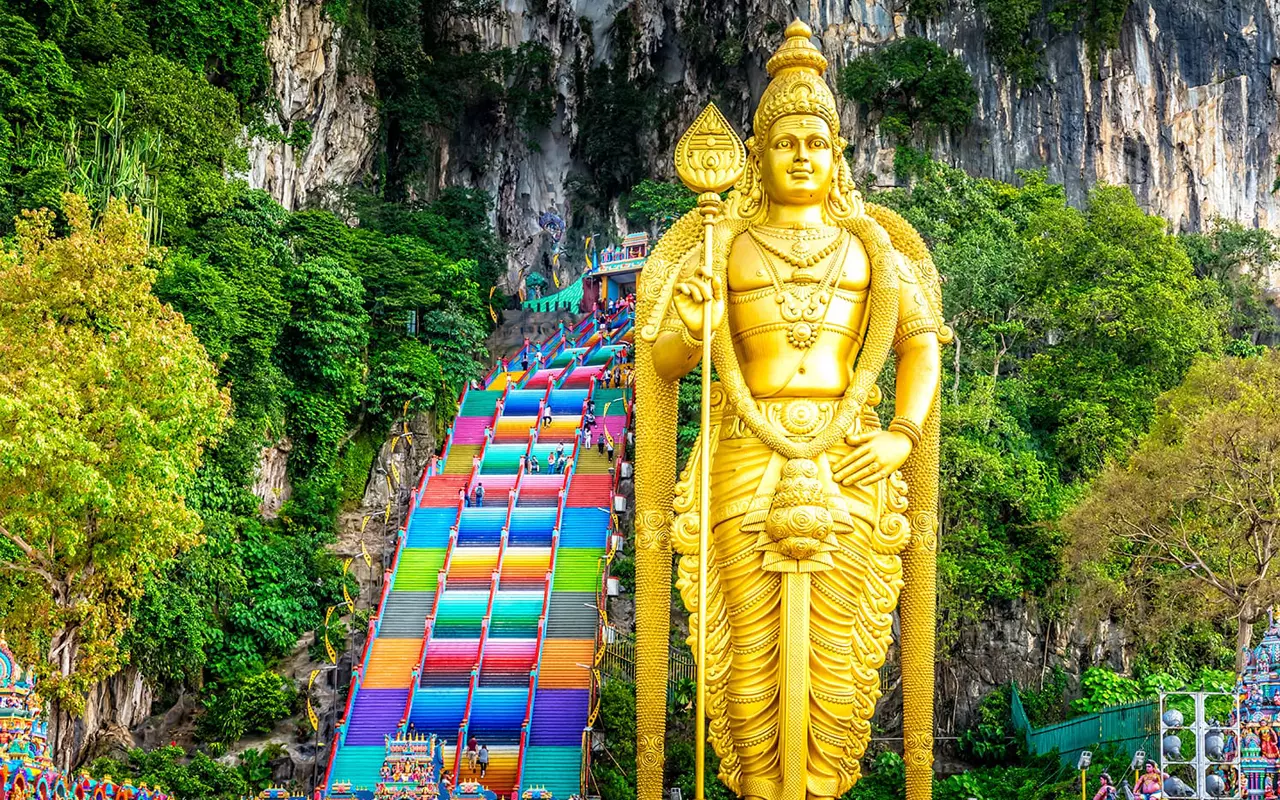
[911, 85]
[252, 704]
[200, 778]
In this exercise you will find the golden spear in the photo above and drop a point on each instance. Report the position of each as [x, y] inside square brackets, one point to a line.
[709, 159]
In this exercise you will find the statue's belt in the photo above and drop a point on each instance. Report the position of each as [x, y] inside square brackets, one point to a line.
[800, 419]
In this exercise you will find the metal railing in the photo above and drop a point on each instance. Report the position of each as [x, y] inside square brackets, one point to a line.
[620, 662]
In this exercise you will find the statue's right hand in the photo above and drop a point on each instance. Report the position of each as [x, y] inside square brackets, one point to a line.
[690, 297]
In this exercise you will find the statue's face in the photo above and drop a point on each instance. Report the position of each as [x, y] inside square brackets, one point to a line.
[797, 164]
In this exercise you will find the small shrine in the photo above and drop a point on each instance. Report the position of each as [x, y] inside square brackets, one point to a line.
[411, 769]
[1259, 693]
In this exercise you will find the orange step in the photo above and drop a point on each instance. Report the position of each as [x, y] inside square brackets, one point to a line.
[565, 664]
[500, 777]
[391, 663]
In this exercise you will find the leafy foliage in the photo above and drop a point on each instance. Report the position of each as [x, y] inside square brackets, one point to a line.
[200, 778]
[250, 704]
[1101, 687]
[911, 85]
[1188, 523]
[660, 203]
[1041, 388]
[96, 502]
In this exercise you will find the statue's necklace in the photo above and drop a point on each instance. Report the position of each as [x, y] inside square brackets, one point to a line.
[799, 257]
[802, 300]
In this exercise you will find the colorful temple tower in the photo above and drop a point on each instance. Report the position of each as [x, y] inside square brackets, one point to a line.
[24, 748]
[1259, 692]
[26, 770]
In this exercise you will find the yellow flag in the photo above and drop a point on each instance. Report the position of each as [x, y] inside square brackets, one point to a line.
[492, 314]
[364, 551]
[328, 646]
[311, 712]
[586, 252]
[351, 606]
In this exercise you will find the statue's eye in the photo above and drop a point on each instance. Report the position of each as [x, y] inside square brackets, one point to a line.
[783, 144]
[818, 143]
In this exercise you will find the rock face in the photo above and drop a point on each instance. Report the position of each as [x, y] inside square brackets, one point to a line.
[1184, 111]
[271, 483]
[313, 88]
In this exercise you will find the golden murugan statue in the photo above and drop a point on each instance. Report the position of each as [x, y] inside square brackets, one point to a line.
[818, 517]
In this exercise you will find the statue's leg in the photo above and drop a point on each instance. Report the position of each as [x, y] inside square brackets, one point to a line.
[851, 629]
[752, 600]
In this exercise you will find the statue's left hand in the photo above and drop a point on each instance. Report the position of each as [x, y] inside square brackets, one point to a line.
[875, 456]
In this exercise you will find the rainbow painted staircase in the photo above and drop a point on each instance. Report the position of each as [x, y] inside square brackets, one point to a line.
[488, 622]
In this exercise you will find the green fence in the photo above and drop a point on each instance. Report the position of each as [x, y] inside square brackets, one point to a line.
[1130, 727]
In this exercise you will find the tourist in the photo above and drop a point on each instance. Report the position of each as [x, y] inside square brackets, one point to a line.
[533, 463]
[483, 759]
[473, 752]
[608, 449]
[524, 362]
[564, 463]
[600, 442]
[462, 497]
[546, 416]
[479, 495]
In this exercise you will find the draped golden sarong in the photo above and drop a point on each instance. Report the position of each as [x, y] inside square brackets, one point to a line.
[848, 592]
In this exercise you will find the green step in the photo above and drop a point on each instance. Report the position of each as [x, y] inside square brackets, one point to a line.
[578, 569]
[480, 404]
[419, 569]
[604, 396]
[359, 766]
[557, 769]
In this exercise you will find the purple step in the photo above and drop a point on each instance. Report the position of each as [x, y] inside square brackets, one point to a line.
[559, 715]
[374, 713]
[470, 430]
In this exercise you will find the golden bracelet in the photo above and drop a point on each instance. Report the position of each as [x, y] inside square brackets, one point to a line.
[689, 341]
[908, 429]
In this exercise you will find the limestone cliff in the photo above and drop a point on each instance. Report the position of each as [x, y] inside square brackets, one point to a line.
[313, 89]
[1183, 111]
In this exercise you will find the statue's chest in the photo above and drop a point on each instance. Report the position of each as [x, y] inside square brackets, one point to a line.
[752, 267]
[776, 303]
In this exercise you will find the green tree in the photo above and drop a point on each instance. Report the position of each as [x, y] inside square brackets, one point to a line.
[660, 203]
[911, 85]
[249, 704]
[1190, 521]
[1242, 261]
[106, 403]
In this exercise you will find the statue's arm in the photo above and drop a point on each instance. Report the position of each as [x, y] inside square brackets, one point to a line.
[918, 352]
[677, 349]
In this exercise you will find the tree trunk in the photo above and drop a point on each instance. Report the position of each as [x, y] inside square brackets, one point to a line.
[1244, 638]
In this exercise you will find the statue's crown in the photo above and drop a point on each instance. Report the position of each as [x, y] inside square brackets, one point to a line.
[797, 52]
[797, 85]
